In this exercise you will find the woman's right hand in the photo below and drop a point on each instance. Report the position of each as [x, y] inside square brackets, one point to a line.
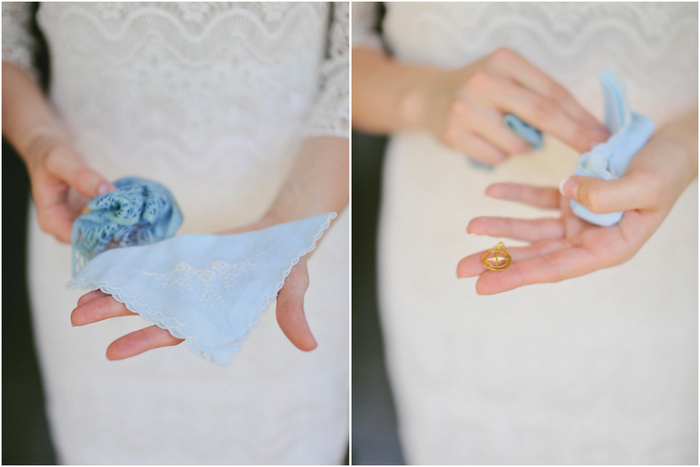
[61, 181]
[465, 108]
[61, 184]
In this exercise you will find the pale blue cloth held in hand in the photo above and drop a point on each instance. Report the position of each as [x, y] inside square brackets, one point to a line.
[528, 132]
[138, 212]
[608, 161]
[210, 290]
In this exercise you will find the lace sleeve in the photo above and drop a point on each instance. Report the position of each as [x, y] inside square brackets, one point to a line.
[365, 19]
[18, 45]
[330, 115]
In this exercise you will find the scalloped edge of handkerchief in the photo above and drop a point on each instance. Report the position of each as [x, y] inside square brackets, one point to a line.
[223, 354]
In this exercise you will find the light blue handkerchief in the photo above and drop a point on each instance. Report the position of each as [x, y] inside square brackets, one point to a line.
[208, 289]
[528, 132]
[629, 133]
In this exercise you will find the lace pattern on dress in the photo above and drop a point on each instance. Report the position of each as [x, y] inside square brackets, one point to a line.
[653, 46]
[18, 45]
[331, 112]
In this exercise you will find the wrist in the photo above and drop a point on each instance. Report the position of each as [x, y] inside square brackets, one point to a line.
[416, 100]
[39, 142]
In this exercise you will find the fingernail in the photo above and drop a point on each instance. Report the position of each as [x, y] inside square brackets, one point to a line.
[569, 188]
[106, 187]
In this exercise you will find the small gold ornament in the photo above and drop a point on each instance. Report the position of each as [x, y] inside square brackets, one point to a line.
[497, 259]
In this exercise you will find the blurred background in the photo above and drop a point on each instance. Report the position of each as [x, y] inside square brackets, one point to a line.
[25, 433]
[374, 438]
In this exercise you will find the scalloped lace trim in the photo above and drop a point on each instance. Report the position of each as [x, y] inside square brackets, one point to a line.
[196, 341]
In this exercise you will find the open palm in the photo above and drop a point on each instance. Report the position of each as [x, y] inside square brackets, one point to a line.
[560, 248]
[97, 306]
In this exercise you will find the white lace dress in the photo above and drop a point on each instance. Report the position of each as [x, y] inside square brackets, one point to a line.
[212, 100]
[598, 369]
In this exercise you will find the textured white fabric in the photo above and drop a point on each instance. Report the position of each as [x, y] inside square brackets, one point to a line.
[212, 100]
[598, 369]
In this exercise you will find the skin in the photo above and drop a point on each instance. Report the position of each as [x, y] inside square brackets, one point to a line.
[318, 183]
[568, 247]
[62, 184]
[464, 110]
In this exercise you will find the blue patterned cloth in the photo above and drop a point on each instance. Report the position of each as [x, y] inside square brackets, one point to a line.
[138, 212]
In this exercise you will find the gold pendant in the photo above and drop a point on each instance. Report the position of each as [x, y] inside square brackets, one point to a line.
[497, 259]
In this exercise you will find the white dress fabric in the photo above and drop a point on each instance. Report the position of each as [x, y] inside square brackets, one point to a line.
[212, 100]
[597, 369]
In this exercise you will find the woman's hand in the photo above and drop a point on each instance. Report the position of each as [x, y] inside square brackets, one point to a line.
[465, 108]
[569, 246]
[61, 182]
[97, 306]
[318, 183]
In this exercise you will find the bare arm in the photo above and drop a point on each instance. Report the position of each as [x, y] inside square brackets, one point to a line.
[318, 182]
[61, 182]
[463, 108]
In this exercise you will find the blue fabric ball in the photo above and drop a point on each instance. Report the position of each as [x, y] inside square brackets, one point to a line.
[138, 212]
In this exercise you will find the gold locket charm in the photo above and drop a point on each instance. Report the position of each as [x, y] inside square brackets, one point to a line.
[497, 259]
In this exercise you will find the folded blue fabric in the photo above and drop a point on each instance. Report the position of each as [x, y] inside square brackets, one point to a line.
[138, 212]
[629, 132]
[528, 132]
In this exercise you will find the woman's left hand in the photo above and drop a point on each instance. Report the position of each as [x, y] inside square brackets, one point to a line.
[97, 306]
[569, 246]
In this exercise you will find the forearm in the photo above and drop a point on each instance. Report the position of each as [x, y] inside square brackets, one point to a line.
[318, 182]
[389, 96]
[27, 117]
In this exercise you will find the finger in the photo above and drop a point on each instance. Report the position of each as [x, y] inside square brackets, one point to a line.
[523, 72]
[602, 196]
[140, 341]
[97, 310]
[477, 148]
[540, 112]
[66, 165]
[57, 220]
[290, 308]
[471, 266]
[90, 296]
[552, 267]
[488, 123]
[531, 230]
[539, 197]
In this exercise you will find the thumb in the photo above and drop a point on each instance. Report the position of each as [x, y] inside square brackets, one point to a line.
[69, 167]
[290, 308]
[605, 196]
